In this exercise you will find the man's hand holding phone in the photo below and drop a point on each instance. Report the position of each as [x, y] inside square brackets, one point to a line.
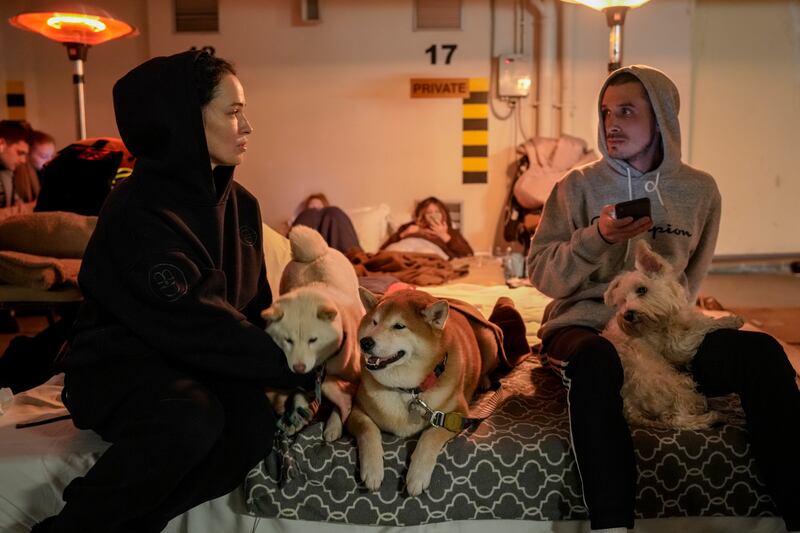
[615, 229]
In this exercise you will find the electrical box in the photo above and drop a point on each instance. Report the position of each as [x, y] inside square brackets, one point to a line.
[513, 75]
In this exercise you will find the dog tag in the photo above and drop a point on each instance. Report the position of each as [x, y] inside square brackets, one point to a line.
[425, 411]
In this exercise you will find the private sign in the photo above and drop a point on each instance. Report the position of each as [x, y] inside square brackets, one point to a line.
[439, 88]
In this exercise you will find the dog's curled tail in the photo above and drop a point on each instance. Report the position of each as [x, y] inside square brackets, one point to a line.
[307, 244]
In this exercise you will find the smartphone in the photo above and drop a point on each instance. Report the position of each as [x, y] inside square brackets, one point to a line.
[638, 208]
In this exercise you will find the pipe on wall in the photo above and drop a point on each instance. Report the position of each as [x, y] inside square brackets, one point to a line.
[548, 69]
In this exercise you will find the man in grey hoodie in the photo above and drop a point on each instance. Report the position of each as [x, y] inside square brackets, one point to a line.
[580, 246]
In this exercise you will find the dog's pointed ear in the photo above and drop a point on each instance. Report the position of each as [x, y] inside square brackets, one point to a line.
[436, 313]
[272, 314]
[367, 298]
[608, 296]
[648, 261]
[326, 312]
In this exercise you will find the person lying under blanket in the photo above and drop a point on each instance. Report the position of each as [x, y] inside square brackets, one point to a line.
[330, 221]
[431, 232]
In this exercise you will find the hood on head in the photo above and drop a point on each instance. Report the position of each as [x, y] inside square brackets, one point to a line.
[665, 100]
[159, 118]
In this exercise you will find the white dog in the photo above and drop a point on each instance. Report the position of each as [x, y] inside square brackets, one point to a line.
[315, 320]
[656, 332]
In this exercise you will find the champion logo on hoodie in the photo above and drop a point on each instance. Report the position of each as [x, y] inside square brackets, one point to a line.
[168, 281]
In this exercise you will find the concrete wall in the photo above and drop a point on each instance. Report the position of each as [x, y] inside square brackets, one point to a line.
[331, 110]
[746, 84]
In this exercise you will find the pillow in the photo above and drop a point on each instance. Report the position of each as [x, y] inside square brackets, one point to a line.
[418, 245]
[277, 254]
[371, 225]
[51, 234]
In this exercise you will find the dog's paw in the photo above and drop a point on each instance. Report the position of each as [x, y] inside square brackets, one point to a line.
[418, 479]
[333, 428]
[736, 322]
[372, 475]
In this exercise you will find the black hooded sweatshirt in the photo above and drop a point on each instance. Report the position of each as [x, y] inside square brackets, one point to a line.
[175, 268]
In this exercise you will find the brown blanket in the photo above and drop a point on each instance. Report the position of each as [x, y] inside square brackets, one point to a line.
[37, 272]
[414, 268]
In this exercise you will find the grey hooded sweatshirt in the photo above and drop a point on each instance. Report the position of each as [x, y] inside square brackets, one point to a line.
[569, 260]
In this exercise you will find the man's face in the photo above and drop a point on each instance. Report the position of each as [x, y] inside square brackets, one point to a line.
[13, 155]
[630, 125]
[225, 125]
[41, 154]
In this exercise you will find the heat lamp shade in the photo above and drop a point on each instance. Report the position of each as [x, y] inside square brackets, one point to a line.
[605, 4]
[76, 23]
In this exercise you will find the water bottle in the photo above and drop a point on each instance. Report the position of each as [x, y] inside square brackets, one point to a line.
[508, 266]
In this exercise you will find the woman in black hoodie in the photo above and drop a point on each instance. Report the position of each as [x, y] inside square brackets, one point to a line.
[169, 360]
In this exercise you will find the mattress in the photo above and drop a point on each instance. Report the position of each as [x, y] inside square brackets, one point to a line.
[515, 468]
[516, 465]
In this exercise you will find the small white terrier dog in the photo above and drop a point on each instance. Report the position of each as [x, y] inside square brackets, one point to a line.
[657, 331]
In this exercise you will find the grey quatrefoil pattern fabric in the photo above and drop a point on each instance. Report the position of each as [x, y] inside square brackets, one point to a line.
[517, 464]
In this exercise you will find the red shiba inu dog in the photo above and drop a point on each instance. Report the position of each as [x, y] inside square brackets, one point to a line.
[422, 360]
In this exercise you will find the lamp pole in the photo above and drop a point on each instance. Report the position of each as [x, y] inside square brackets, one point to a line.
[615, 17]
[77, 53]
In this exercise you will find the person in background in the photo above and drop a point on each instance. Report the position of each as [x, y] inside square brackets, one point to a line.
[28, 177]
[169, 359]
[13, 153]
[316, 201]
[330, 221]
[431, 223]
[580, 246]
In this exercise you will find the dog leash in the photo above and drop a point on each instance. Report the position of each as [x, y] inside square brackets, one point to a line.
[452, 421]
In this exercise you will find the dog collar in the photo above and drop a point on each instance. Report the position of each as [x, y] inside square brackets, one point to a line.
[430, 379]
[319, 370]
[340, 348]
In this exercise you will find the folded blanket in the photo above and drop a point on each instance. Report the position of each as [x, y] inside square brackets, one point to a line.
[37, 272]
[415, 268]
[51, 234]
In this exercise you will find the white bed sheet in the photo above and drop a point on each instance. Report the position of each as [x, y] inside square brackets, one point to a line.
[36, 464]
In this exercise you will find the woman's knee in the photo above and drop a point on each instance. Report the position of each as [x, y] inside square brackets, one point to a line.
[196, 419]
[251, 429]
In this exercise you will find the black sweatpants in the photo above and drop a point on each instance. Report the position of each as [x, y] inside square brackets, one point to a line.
[177, 441]
[750, 364]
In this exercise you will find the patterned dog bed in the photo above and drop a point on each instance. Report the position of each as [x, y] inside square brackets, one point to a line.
[517, 464]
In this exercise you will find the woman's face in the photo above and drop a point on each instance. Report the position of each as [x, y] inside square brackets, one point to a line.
[315, 203]
[225, 124]
[41, 154]
[432, 215]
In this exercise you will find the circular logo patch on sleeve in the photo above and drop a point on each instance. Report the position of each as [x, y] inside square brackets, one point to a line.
[248, 235]
[168, 281]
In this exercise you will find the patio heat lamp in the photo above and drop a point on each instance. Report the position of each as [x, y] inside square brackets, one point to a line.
[615, 11]
[77, 27]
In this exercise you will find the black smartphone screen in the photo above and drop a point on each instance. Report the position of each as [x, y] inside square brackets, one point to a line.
[638, 208]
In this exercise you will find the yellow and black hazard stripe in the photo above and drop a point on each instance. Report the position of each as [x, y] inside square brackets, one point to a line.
[475, 152]
[15, 99]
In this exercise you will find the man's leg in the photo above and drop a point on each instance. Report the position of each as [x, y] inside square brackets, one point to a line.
[755, 366]
[601, 440]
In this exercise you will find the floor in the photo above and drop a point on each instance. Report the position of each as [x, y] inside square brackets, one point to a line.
[769, 301]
